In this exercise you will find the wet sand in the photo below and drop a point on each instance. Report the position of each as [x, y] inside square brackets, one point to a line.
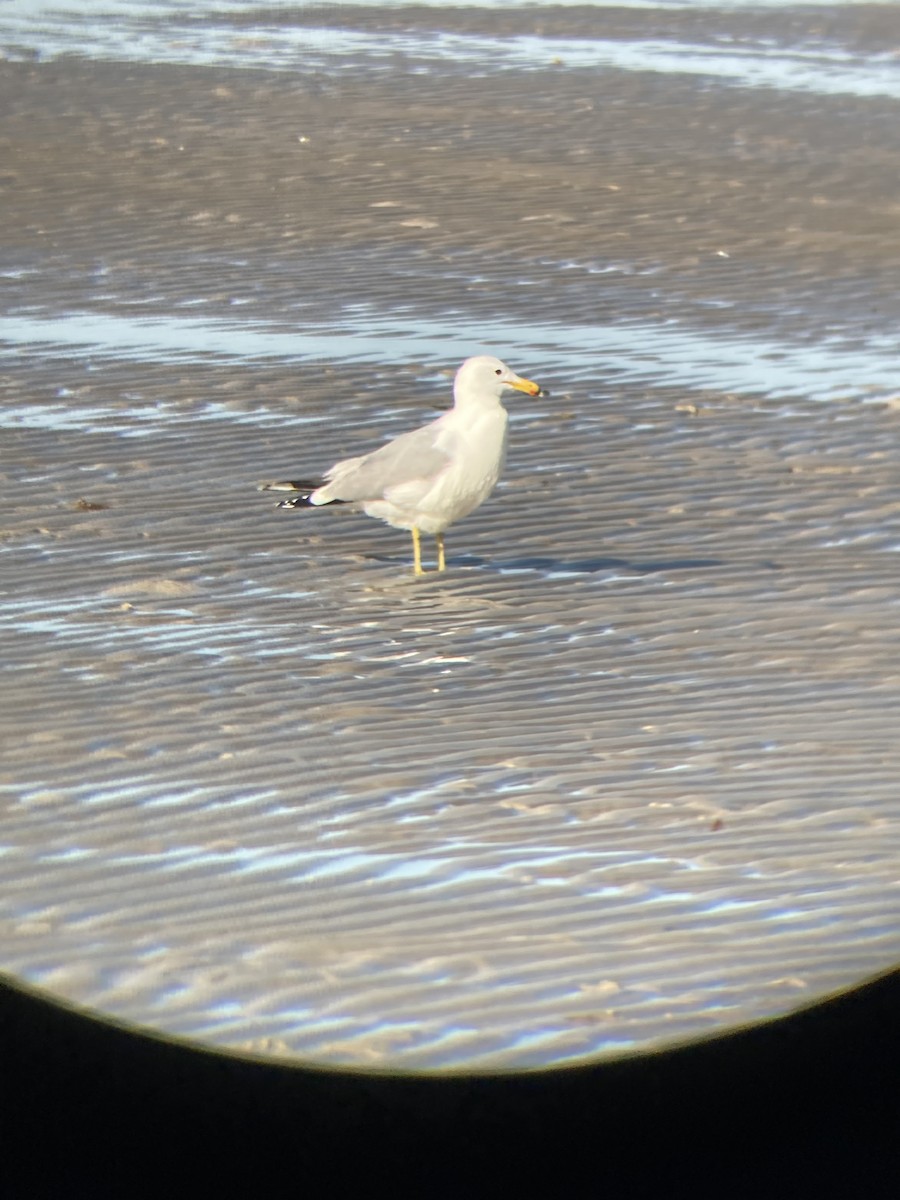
[627, 772]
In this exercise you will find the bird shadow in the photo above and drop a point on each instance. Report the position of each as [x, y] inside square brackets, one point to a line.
[546, 565]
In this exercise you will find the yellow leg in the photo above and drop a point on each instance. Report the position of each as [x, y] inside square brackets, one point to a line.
[417, 552]
[442, 562]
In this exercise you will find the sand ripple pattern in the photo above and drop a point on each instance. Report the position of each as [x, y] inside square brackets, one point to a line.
[625, 774]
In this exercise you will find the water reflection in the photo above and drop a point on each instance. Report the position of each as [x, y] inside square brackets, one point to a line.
[164, 33]
[653, 354]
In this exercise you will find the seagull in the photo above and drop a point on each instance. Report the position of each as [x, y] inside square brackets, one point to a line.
[427, 479]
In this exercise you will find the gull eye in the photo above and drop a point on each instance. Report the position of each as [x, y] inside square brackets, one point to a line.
[498, 371]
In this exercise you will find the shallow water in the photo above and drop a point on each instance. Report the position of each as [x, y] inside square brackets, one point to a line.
[231, 35]
[626, 773]
[661, 355]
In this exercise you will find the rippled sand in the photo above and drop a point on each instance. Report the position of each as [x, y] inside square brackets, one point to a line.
[627, 772]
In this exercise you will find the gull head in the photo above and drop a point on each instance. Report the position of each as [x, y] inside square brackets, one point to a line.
[486, 376]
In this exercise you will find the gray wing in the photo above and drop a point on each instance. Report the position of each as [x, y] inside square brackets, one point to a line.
[410, 456]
